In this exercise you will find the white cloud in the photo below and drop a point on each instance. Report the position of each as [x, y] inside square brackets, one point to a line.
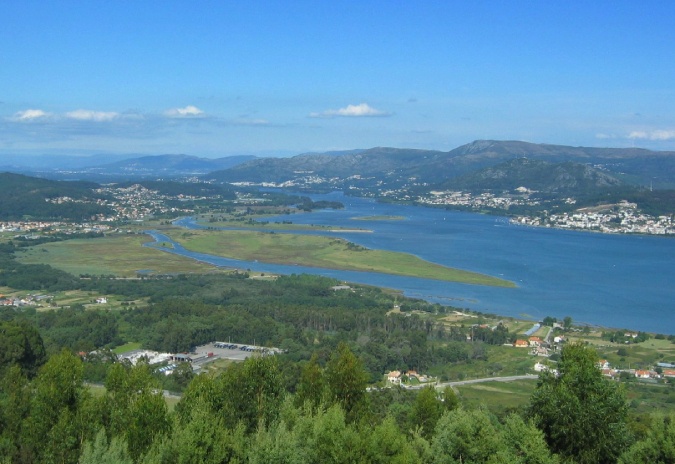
[89, 115]
[663, 135]
[359, 110]
[653, 135]
[603, 136]
[30, 115]
[187, 112]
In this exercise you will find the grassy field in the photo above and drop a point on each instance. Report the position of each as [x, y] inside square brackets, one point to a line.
[129, 346]
[119, 255]
[259, 221]
[499, 397]
[318, 251]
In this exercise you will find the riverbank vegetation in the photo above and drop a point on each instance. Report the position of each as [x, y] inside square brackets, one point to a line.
[121, 255]
[319, 251]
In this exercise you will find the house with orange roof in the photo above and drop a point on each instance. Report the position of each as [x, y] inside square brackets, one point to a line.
[521, 344]
[394, 377]
[535, 341]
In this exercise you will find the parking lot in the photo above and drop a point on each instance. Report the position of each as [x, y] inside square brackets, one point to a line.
[226, 350]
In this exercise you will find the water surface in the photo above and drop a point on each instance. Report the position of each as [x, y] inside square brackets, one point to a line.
[608, 280]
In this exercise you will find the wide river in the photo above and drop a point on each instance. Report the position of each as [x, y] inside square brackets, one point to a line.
[607, 280]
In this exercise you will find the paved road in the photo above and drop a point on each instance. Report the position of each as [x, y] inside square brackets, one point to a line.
[509, 378]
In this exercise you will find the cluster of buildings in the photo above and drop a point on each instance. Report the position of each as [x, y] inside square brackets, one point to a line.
[609, 371]
[661, 371]
[538, 346]
[479, 201]
[399, 378]
[137, 202]
[624, 219]
[29, 300]
[128, 203]
[29, 228]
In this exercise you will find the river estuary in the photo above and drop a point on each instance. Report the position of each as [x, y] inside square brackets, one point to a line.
[608, 280]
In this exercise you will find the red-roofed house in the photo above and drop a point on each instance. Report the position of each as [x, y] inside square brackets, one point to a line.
[535, 341]
[521, 344]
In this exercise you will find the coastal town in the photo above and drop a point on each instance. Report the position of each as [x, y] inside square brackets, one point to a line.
[128, 204]
[619, 218]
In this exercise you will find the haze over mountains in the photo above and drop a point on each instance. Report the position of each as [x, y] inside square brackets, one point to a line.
[395, 167]
[117, 167]
[461, 167]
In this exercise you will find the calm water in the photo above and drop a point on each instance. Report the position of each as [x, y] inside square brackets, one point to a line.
[607, 280]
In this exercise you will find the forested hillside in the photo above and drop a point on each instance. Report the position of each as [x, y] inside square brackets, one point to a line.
[23, 197]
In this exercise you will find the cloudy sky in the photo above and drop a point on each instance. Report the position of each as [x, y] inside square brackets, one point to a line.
[284, 77]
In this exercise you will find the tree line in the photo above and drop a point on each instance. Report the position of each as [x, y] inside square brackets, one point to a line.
[245, 414]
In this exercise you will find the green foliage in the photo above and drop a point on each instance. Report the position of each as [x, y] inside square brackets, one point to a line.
[202, 439]
[136, 410]
[22, 196]
[54, 430]
[622, 336]
[347, 380]
[21, 345]
[582, 415]
[450, 400]
[101, 452]
[476, 437]
[386, 444]
[14, 409]
[328, 438]
[311, 388]
[466, 436]
[549, 321]
[426, 411]
[249, 394]
[657, 447]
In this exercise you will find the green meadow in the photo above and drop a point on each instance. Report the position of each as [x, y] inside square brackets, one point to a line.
[117, 255]
[319, 251]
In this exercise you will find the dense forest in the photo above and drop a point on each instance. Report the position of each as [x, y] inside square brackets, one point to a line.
[246, 414]
[310, 404]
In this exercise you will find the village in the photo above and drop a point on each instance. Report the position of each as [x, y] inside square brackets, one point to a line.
[621, 218]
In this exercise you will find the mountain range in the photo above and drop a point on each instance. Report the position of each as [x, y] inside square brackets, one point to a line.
[388, 167]
[396, 167]
[118, 168]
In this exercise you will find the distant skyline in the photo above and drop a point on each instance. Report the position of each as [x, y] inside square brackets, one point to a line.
[220, 78]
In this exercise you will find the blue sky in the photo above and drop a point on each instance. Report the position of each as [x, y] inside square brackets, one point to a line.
[278, 78]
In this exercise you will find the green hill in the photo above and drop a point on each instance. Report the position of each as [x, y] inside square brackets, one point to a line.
[23, 197]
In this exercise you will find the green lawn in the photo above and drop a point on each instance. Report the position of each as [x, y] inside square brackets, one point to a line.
[318, 251]
[130, 346]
